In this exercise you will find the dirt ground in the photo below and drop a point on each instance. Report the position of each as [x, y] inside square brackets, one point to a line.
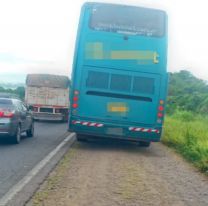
[102, 173]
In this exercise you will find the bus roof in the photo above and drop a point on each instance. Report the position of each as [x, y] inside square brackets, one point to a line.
[89, 4]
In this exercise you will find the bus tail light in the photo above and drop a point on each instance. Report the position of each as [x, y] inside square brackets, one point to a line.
[74, 105]
[161, 102]
[75, 99]
[160, 113]
[160, 108]
[76, 92]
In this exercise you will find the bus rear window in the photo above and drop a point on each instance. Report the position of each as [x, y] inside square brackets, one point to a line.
[143, 85]
[97, 80]
[120, 83]
[130, 20]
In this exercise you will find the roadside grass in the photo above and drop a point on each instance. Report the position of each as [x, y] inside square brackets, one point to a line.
[187, 133]
[52, 182]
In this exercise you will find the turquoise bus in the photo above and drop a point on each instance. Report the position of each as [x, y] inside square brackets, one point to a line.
[119, 77]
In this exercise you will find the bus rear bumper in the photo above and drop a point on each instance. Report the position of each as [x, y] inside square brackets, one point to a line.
[118, 131]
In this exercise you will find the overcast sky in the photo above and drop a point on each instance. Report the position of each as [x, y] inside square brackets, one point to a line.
[38, 36]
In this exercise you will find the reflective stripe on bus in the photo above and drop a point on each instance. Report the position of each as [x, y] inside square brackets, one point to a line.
[89, 124]
[133, 129]
[140, 129]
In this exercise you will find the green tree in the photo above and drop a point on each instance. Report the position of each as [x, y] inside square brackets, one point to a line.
[187, 92]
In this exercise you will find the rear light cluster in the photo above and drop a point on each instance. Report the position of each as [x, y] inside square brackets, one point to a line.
[75, 99]
[160, 113]
[6, 113]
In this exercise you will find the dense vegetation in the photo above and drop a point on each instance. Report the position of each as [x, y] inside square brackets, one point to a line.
[19, 91]
[186, 92]
[186, 123]
[188, 134]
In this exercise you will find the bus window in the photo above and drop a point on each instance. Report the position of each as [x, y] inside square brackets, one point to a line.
[137, 21]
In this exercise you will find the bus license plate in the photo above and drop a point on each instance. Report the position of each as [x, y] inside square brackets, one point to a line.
[115, 131]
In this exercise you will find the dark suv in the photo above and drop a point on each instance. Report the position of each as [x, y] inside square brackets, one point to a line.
[15, 119]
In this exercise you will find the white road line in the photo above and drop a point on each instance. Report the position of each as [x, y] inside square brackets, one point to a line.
[26, 179]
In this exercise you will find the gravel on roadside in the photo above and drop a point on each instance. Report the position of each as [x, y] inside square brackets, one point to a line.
[104, 173]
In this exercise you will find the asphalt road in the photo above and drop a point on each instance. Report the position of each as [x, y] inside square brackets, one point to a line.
[17, 160]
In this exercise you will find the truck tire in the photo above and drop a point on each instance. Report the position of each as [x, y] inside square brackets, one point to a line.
[65, 117]
[16, 138]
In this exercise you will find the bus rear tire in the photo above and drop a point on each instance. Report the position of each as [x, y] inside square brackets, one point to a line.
[81, 138]
[144, 144]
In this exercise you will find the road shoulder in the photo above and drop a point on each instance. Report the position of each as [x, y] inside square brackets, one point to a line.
[119, 174]
[20, 193]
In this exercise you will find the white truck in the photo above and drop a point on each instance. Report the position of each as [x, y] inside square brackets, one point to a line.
[48, 96]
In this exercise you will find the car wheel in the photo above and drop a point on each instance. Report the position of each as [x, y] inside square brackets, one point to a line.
[30, 132]
[17, 136]
[144, 144]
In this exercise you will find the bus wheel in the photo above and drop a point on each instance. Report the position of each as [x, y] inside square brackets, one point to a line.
[81, 138]
[144, 144]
